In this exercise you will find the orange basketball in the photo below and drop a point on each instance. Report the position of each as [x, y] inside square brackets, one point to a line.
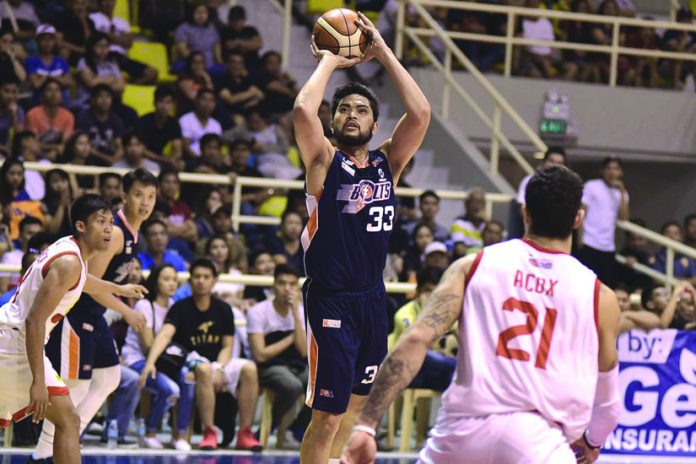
[337, 32]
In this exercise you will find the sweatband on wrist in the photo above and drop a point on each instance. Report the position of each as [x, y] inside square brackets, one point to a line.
[606, 408]
[365, 428]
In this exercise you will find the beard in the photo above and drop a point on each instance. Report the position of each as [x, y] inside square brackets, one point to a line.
[352, 141]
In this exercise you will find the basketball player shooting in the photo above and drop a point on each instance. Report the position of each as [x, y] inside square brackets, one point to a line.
[537, 335]
[351, 201]
[49, 288]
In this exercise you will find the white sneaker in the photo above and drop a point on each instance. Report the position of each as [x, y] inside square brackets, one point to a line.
[181, 445]
[152, 443]
[289, 441]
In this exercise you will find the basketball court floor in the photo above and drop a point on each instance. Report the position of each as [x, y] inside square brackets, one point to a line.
[137, 456]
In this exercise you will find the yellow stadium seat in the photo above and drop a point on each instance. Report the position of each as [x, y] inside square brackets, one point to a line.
[140, 97]
[122, 10]
[319, 7]
[155, 55]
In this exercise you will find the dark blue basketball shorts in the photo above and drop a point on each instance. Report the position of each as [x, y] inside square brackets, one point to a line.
[347, 341]
[82, 341]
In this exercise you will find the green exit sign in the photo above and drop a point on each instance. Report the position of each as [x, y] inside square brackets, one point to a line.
[553, 127]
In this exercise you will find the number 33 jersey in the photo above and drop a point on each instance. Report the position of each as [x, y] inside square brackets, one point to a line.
[350, 221]
[528, 337]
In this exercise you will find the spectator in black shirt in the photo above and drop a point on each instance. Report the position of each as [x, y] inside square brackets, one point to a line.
[204, 326]
[285, 244]
[75, 27]
[236, 90]
[261, 263]
[103, 126]
[212, 160]
[11, 68]
[279, 87]
[241, 38]
[160, 132]
[690, 230]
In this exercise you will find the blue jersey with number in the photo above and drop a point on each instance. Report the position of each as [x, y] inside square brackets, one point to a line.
[347, 236]
[120, 265]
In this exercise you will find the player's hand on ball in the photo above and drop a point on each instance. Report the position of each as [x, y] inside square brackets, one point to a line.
[376, 45]
[361, 449]
[135, 320]
[339, 62]
[583, 453]
[132, 291]
[39, 401]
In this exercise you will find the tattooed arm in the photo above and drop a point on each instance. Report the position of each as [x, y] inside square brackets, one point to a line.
[401, 366]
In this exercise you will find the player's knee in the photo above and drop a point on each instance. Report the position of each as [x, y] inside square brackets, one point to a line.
[67, 419]
[324, 423]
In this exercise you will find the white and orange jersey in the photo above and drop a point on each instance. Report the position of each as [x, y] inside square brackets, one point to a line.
[528, 337]
[14, 313]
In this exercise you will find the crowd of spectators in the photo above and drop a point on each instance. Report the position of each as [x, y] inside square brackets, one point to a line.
[555, 63]
[62, 72]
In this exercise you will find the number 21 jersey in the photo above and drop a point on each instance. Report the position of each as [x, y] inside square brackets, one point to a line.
[528, 337]
[347, 236]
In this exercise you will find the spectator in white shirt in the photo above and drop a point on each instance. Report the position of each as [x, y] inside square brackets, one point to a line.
[199, 122]
[604, 200]
[119, 32]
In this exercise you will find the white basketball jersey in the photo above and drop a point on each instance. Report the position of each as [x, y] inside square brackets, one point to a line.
[528, 338]
[15, 312]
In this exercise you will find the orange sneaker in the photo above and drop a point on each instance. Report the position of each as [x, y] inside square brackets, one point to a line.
[209, 441]
[247, 441]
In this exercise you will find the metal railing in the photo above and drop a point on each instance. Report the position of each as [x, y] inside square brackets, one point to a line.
[453, 51]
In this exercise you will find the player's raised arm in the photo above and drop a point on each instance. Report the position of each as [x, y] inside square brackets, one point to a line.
[316, 149]
[410, 130]
[63, 273]
[607, 401]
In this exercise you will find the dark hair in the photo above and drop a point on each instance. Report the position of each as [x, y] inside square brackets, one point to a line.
[164, 91]
[27, 221]
[555, 150]
[49, 81]
[6, 194]
[140, 175]
[167, 171]
[285, 269]
[553, 199]
[289, 212]
[669, 224]
[69, 151]
[622, 287]
[40, 240]
[90, 56]
[209, 138]
[603, 6]
[100, 88]
[8, 80]
[104, 176]
[684, 15]
[611, 159]
[192, 12]
[50, 196]
[233, 53]
[359, 89]
[145, 228]
[236, 12]
[254, 255]
[27, 260]
[224, 210]
[206, 263]
[418, 227]
[688, 218]
[18, 139]
[428, 275]
[151, 281]
[188, 67]
[429, 193]
[647, 294]
[209, 243]
[127, 136]
[494, 222]
[269, 54]
[237, 142]
[85, 206]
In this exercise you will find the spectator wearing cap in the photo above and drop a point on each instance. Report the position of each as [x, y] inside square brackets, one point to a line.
[471, 224]
[429, 205]
[118, 31]
[436, 256]
[605, 200]
[46, 63]
[200, 121]
[439, 364]
[492, 233]
[50, 121]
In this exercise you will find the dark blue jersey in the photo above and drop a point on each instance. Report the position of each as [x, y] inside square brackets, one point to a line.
[120, 265]
[347, 236]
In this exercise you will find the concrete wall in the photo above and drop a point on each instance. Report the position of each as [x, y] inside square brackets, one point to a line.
[637, 122]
